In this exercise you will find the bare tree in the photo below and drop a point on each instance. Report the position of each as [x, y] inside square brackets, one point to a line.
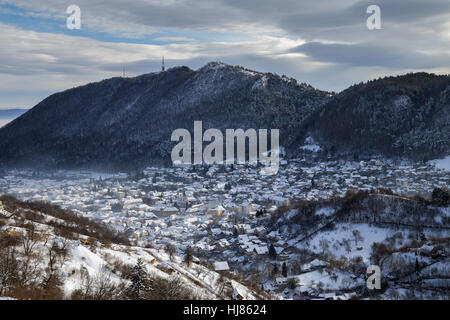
[52, 256]
[357, 236]
[170, 248]
[188, 256]
[324, 245]
[347, 246]
[8, 270]
[29, 240]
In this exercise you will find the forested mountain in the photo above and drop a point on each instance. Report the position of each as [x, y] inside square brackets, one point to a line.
[406, 116]
[11, 113]
[123, 121]
[129, 121]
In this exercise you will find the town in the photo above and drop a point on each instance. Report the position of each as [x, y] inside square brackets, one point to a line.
[215, 210]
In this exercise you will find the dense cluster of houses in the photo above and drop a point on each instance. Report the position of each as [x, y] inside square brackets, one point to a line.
[213, 209]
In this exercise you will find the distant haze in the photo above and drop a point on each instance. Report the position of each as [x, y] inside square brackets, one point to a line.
[8, 115]
[11, 113]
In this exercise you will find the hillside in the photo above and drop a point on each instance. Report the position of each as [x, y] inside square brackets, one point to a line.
[403, 116]
[337, 239]
[50, 253]
[129, 121]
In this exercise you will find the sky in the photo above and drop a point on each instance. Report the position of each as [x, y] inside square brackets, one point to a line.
[324, 43]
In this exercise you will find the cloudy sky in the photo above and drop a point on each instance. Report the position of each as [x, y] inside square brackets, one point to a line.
[325, 43]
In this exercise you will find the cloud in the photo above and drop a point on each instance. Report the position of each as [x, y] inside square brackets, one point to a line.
[325, 43]
[174, 39]
[371, 55]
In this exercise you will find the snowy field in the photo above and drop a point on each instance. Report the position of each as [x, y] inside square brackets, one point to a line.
[442, 163]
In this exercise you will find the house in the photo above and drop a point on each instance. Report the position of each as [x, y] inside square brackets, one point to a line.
[280, 201]
[245, 208]
[261, 250]
[221, 266]
[195, 260]
[281, 281]
[237, 294]
[283, 257]
[166, 211]
[260, 231]
[216, 210]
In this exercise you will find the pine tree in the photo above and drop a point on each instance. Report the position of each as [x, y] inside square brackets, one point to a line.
[284, 270]
[275, 270]
[188, 256]
[140, 284]
[272, 252]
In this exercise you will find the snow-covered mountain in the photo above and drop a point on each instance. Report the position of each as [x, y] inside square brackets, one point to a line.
[125, 121]
[406, 116]
[128, 122]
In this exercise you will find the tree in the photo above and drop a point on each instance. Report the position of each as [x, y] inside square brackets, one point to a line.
[274, 270]
[292, 283]
[140, 285]
[324, 245]
[170, 250]
[440, 197]
[188, 256]
[284, 270]
[346, 243]
[8, 269]
[272, 252]
[117, 207]
[29, 240]
[357, 236]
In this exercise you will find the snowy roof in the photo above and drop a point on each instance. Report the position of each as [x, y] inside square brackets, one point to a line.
[221, 266]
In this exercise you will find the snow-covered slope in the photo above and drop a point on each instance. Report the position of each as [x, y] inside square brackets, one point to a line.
[40, 258]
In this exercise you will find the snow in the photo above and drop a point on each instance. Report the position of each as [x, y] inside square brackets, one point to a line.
[442, 163]
[221, 266]
[310, 145]
[326, 211]
[343, 232]
[313, 280]
[4, 122]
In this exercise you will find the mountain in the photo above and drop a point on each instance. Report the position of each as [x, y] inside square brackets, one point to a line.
[405, 116]
[129, 121]
[11, 113]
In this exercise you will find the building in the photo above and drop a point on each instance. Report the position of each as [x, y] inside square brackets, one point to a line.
[221, 266]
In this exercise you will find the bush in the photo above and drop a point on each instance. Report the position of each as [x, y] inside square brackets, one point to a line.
[440, 197]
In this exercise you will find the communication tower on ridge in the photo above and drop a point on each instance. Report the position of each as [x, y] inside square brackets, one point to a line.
[163, 67]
